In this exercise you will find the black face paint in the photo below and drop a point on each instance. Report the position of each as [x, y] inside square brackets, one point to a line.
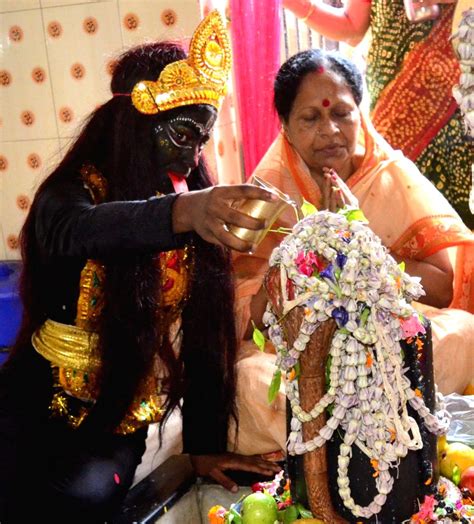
[181, 137]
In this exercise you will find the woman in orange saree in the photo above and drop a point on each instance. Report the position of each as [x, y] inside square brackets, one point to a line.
[411, 72]
[414, 221]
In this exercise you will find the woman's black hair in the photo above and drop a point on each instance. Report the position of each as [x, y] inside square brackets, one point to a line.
[292, 72]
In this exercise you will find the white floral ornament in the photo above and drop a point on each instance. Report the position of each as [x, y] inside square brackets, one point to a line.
[340, 270]
[463, 92]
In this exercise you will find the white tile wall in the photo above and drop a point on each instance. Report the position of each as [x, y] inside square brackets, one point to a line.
[160, 20]
[18, 5]
[27, 110]
[28, 163]
[90, 37]
[61, 3]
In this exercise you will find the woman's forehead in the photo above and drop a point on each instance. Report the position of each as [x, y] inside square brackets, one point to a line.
[317, 86]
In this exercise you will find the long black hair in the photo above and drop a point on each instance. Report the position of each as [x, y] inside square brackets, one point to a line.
[119, 141]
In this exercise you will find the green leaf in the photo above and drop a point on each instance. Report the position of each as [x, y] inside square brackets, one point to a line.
[307, 208]
[290, 515]
[274, 386]
[402, 266]
[334, 287]
[328, 369]
[305, 513]
[364, 316]
[354, 214]
[297, 368]
[258, 337]
[233, 517]
[456, 474]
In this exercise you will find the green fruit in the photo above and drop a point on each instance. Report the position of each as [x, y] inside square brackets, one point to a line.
[259, 508]
[291, 514]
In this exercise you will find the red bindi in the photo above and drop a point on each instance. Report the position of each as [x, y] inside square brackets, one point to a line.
[320, 69]
[326, 103]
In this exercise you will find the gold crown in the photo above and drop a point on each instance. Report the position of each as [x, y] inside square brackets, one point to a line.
[200, 79]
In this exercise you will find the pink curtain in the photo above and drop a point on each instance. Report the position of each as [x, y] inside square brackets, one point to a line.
[255, 32]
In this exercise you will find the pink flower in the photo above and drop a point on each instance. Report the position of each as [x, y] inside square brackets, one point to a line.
[305, 269]
[426, 510]
[308, 263]
[411, 326]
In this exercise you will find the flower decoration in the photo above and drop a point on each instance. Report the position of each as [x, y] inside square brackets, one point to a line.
[426, 510]
[178, 77]
[278, 488]
[464, 46]
[411, 326]
[340, 315]
[445, 507]
[340, 270]
[309, 263]
[340, 260]
[217, 514]
[328, 272]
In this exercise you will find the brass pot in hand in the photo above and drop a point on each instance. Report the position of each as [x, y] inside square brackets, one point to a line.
[261, 209]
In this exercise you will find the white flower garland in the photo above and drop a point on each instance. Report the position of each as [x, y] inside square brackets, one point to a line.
[464, 92]
[369, 295]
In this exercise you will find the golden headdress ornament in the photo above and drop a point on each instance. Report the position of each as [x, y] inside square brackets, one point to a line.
[200, 79]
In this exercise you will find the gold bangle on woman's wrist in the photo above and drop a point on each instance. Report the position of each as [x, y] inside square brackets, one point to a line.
[309, 13]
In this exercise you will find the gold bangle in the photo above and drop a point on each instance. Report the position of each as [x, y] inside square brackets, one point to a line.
[310, 12]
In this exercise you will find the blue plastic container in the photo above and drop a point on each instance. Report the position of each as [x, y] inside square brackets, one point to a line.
[10, 304]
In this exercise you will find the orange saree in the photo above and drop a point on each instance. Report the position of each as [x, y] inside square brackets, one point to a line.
[412, 219]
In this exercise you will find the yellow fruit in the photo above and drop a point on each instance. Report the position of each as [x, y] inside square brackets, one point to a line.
[469, 390]
[442, 443]
[455, 454]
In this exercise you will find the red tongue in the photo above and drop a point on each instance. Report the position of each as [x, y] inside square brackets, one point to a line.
[179, 182]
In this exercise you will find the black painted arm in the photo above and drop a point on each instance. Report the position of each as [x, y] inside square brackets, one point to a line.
[69, 224]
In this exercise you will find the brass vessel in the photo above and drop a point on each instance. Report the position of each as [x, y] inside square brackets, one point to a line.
[262, 209]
